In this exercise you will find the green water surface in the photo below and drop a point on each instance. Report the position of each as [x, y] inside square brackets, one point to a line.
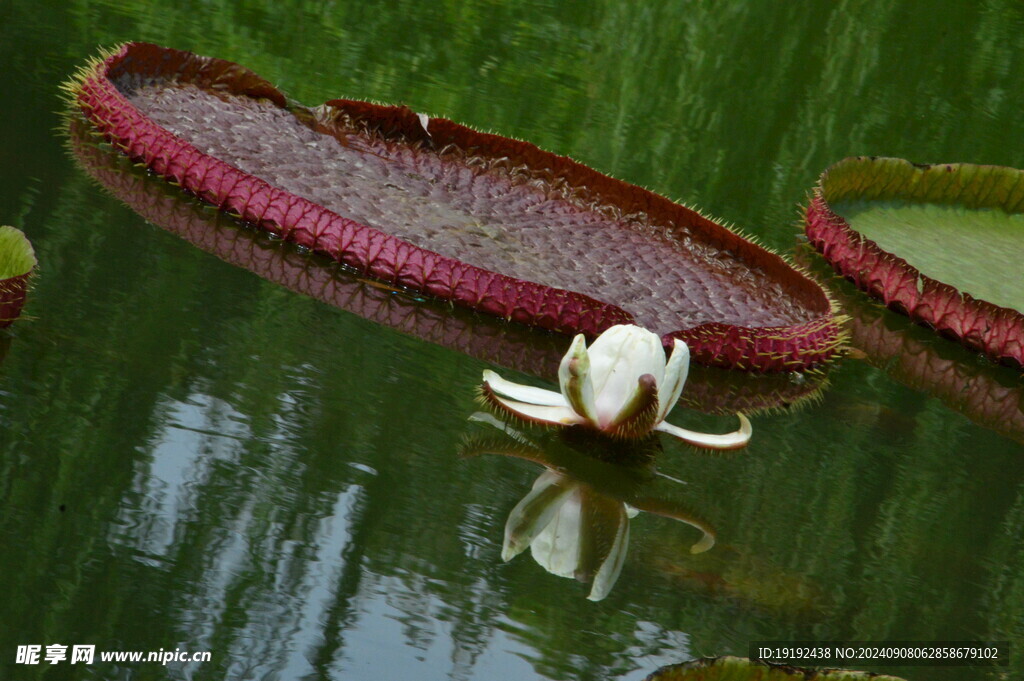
[194, 457]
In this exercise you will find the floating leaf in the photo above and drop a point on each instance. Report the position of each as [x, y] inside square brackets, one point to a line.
[741, 669]
[708, 389]
[940, 243]
[17, 260]
[485, 221]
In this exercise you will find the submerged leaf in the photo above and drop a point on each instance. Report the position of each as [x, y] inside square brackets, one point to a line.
[742, 669]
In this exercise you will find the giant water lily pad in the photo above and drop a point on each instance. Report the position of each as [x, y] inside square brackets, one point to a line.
[17, 260]
[708, 389]
[741, 669]
[485, 221]
[941, 243]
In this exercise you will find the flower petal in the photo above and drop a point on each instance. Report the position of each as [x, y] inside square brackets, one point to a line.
[505, 427]
[670, 509]
[523, 393]
[574, 378]
[606, 577]
[534, 512]
[556, 415]
[733, 440]
[557, 547]
[705, 543]
[604, 539]
[618, 358]
[639, 414]
[676, 371]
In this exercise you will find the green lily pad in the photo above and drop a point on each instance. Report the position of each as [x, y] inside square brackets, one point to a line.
[16, 254]
[977, 250]
[17, 260]
[742, 669]
[940, 243]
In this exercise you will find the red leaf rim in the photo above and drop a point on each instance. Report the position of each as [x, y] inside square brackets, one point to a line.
[13, 292]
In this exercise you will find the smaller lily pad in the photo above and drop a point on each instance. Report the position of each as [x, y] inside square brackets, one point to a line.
[17, 260]
[742, 669]
[940, 243]
[948, 242]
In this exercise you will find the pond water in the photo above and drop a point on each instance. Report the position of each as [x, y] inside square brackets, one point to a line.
[194, 456]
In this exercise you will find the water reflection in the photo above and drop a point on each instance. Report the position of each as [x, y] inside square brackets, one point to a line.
[5, 345]
[575, 520]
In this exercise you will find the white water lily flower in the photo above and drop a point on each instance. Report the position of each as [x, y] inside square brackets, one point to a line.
[621, 386]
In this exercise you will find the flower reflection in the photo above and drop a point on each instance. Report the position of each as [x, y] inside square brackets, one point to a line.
[575, 520]
[571, 530]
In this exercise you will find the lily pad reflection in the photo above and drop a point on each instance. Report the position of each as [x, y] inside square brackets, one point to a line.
[991, 396]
